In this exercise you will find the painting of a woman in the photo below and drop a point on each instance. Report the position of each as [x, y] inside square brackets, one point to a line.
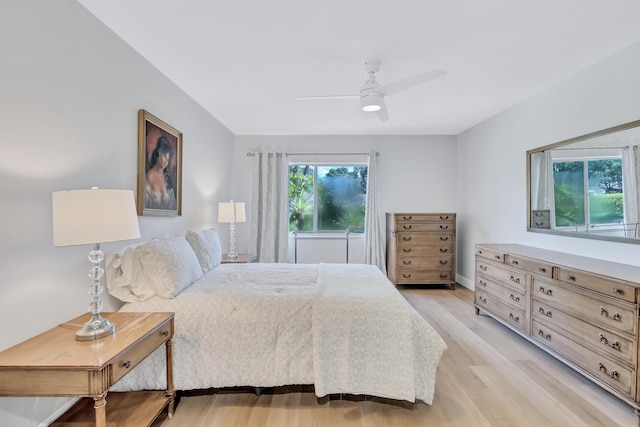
[159, 169]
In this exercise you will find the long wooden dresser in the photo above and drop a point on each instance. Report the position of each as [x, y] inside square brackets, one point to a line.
[421, 248]
[583, 311]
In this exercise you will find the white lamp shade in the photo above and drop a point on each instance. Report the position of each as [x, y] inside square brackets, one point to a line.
[231, 212]
[91, 216]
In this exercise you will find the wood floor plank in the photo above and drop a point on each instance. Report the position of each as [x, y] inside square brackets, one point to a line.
[488, 377]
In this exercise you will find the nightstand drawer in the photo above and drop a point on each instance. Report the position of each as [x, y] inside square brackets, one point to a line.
[127, 361]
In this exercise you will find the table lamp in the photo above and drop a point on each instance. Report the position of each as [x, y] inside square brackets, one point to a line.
[94, 216]
[231, 212]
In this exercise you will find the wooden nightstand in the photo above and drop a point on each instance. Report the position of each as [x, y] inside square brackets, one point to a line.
[54, 363]
[242, 259]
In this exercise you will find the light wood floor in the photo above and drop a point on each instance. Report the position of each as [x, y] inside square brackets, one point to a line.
[489, 376]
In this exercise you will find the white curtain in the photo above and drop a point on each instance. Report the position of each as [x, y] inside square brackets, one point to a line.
[374, 251]
[269, 208]
[542, 175]
[630, 182]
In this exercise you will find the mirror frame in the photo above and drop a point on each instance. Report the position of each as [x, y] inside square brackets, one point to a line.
[595, 236]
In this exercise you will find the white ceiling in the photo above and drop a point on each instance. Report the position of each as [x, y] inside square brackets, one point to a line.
[246, 60]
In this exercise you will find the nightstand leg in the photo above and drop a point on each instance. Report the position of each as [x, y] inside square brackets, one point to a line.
[100, 408]
[171, 393]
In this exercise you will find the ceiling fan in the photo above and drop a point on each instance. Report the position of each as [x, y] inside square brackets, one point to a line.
[372, 93]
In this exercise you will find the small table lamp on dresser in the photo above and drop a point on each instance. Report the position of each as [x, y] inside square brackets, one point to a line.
[94, 216]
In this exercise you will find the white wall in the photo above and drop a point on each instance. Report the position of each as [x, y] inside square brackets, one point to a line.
[491, 161]
[70, 91]
[415, 173]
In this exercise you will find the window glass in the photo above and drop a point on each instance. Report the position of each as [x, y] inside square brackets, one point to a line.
[327, 197]
[594, 198]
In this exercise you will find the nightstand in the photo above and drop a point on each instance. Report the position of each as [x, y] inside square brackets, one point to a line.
[54, 363]
[242, 259]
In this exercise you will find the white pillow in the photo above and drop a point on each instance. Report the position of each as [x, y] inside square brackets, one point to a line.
[206, 245]
[169, 265]
[124, 276]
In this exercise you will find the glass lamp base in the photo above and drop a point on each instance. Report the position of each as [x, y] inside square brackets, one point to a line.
[96, 328]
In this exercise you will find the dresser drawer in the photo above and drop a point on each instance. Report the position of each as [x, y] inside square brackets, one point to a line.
[514, 317]
[608, 286]
[425, 226]
[599, 311]
[131, 358]
[409, 238]
[414, 218]
[429, 262]
[506, 293]
[406, 276]
[416, 250]
[598, 339]
[613, 374]
[532, 265]
[490, 254]
[499, 273]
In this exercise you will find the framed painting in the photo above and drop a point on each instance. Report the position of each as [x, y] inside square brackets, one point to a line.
[159, 167]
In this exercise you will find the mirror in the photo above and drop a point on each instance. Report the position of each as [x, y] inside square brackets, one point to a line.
[588, 186]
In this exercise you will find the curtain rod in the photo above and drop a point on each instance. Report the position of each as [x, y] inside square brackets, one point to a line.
[626, 147]
[321, 154]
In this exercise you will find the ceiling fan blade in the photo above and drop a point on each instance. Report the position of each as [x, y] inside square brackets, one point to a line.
[382, 113]
[409, 82]
[306, 98]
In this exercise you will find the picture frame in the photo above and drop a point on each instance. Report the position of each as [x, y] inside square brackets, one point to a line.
[159, 167]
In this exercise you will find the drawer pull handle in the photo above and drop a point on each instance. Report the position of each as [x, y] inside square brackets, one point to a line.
[443, 275]
[406, 238]
[497, 256]
[616, 291]
[444, 217]
[127, 364]
[444, 262]
[543, 335]
[444, 250]
[444, 239]
[541, 311]
[605, 313]
[514, 318]
[614, 375]
[482, 283]
[405, 262]
[406, 217]
[542, 269]
[514, 262]
[407, 227]
[444, 227]
[516, 299]
[482, 300]
[548, 291]
[570, 277]
[406, 276]
[514, 279]
[483, 268]
[406, 250]
[164, 333]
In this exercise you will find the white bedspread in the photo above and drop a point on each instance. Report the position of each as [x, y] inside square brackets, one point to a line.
[268, 325]
[367, 339]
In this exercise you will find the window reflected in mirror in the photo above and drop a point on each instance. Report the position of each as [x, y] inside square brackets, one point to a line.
[587, 186]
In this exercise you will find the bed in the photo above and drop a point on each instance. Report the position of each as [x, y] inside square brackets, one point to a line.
[343, 328]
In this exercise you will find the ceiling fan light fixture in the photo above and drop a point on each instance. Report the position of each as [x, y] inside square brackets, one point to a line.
[372, 102]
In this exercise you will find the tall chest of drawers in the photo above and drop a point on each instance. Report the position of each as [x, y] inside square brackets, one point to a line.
[583, 311]
[421, 248]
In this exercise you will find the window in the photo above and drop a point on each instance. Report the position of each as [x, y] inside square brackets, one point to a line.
[327, 197]
[594, 197]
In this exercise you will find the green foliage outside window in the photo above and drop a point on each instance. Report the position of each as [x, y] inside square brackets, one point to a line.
[338, 202]
[603, 195]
